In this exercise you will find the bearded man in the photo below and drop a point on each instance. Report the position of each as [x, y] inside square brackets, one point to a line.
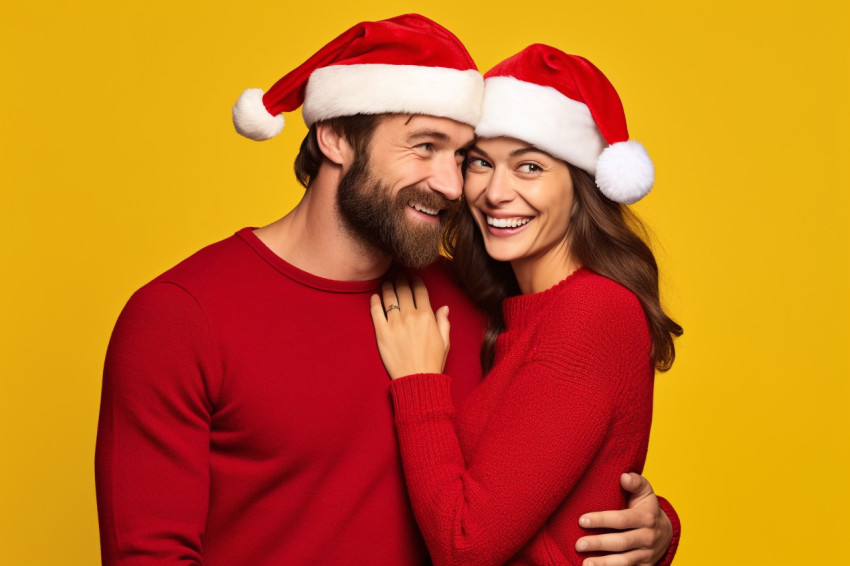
[245, 415]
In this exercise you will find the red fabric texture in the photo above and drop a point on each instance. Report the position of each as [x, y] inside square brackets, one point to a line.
[246, 418]
[565, 410]
[409, 39]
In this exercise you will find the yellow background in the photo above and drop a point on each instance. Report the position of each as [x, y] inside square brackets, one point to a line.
[118, 159]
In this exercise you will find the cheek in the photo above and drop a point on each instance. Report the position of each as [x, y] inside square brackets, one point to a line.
[473, 186]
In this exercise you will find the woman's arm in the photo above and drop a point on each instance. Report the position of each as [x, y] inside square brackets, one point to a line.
[484, 510]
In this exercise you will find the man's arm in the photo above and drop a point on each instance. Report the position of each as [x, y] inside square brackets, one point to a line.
[152, 455]
[649, 526]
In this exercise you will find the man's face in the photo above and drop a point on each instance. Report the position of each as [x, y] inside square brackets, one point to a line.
[397, 194]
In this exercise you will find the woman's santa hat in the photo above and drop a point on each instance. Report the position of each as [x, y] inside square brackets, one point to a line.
[565, 106]
[407, 64]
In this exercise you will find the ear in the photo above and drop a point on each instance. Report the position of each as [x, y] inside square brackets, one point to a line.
[334, 146]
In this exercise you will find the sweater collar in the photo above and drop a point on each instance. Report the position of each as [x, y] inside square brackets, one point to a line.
[300, 276]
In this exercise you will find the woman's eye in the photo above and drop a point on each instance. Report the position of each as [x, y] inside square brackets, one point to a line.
[530, 168]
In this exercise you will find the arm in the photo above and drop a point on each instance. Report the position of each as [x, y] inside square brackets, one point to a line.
[152, 454]
[649, 526]
[484, 509]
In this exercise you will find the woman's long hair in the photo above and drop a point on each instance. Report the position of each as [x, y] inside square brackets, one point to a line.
[604, 236]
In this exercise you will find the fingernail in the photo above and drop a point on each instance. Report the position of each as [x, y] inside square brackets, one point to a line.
[582, 545]
[590, 564]
[584, 522]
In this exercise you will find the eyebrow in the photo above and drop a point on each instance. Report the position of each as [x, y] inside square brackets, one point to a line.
[433, 135]
[514, 153]
[428, 134]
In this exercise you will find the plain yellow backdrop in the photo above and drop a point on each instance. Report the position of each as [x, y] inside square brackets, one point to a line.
[118, 159]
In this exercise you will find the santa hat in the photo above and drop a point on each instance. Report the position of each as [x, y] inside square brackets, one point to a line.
[407, 64]
[565, 106]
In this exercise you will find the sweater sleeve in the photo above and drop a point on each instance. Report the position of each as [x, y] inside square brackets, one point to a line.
[668, 509]
[532, 453]
[152, 453]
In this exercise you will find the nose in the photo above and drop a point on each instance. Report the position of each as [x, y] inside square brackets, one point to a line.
[446, 178]
[499, 189]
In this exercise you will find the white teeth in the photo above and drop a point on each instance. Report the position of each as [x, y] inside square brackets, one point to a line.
[428, 211]
[507, 222]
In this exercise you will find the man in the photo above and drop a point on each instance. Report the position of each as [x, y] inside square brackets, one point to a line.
[245, 416]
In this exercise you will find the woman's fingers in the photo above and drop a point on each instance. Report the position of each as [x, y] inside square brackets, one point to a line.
[420, 294]
[389, 298]
[404, 294]
[444, 327]
[376, 309]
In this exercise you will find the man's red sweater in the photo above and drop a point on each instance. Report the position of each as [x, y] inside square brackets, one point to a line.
[246, 418]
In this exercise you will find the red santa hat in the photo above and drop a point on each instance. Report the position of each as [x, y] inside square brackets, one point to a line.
[407, 64]
[565, 106]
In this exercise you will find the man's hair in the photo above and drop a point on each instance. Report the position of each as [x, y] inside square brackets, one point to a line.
[357, 131]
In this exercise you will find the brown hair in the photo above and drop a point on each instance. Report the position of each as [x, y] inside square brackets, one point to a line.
[603, 235]
[357, 130]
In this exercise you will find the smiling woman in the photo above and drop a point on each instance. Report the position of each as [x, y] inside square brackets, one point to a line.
[521, 199]
[576, 328]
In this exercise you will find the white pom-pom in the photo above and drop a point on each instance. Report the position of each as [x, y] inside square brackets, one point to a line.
[624, 172]
[252, 120]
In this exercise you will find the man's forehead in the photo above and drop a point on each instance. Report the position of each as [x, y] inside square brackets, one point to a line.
[416, 126]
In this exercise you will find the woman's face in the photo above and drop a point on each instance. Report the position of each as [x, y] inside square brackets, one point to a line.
[520, 198]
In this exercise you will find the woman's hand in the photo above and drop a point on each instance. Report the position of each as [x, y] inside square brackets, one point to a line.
[411, 337]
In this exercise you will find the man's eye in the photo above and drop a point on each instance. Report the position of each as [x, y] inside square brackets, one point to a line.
[426, 146]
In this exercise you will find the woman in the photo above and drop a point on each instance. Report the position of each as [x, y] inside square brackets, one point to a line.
[576, 328]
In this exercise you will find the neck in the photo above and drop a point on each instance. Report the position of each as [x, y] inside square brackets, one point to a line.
[314, 238]
[538, 273]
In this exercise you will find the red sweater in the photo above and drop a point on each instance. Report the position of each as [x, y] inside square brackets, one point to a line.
[246, 418]
[565, 410]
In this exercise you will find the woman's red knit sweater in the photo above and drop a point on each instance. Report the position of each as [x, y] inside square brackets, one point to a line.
[565, 410]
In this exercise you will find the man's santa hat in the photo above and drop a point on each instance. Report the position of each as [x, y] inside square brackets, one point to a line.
[565, 106]
[407, 64]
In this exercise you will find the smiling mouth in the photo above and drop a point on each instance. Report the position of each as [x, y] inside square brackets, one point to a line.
[507, 222]
[424, 209]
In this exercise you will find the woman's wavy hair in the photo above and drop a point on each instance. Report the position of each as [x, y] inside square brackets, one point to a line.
[603, 235]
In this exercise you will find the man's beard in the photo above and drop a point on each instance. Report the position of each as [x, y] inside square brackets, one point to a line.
[379, 218]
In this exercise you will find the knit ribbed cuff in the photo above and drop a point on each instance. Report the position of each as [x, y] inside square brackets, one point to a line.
[677, 531]
[420, 395]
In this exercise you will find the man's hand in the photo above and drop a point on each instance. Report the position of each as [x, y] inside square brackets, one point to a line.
[645, 534]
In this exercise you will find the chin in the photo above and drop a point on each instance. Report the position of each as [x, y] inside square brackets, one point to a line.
[499, 253]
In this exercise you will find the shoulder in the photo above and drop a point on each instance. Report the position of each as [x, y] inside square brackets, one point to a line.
[591, 305]
[177, 296]
[211, 265]
[595, 297]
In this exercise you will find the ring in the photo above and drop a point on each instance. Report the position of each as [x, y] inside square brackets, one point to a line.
[391, 307]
